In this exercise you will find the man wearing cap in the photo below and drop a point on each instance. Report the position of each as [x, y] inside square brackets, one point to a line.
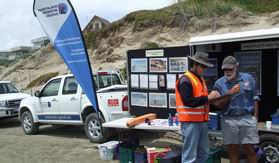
[239, 112]
[192, 109]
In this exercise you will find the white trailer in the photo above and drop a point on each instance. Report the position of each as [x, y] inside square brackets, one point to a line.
[258, 53]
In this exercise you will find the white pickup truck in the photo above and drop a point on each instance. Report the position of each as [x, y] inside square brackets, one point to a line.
[62, 101]
[10, 98]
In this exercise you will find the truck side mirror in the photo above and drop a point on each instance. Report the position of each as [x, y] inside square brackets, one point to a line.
[37, 93]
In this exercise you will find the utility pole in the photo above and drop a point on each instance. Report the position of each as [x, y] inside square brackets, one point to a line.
[30, 81]
[19, 74]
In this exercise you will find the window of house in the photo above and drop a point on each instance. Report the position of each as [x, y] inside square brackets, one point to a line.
[97, 26]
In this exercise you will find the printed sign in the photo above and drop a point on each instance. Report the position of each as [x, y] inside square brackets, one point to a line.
[59, 21]
[113, 102]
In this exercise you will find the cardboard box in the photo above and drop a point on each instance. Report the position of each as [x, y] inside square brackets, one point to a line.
[153, 153]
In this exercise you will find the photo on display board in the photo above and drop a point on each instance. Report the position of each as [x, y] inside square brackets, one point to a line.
[172, 103]
[171, 79]
[139, 65]
[158, 64]
[138, 99]
[134, 80]
[143, 81]
[178, 64]
[158, 100]
[153, 82]
[162, 83]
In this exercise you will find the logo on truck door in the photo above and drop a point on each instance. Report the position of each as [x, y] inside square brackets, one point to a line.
[113, 102]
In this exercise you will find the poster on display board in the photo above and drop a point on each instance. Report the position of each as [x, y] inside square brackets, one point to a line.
[158, 100]
[139, 65]
[250, 62]
[172, 101]
[138, 99]
[134, 80]
[153, 81]
[143, 81]
[171, 79]
[178, 64]
[158, 64]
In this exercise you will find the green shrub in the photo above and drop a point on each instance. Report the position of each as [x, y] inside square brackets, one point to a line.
[42, 79]
[149, 45]
[123, 72]
[258, 6]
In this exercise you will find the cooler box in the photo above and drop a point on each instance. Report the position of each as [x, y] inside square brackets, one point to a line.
[153, 153]
[214, 121]
[107, 150]
[275, 120]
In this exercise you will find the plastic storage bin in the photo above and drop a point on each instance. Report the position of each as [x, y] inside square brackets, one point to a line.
[126, 153]
[214, 121]
[140, 155]
[128, 142]
[107, 150]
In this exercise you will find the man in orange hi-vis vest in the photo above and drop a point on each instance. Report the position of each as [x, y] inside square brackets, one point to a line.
[192, 109]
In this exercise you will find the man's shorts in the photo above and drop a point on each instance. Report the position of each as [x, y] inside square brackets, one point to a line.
[239, 129]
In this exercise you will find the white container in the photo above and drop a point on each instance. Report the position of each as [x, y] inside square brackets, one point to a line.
[107, 150]
[268, 124]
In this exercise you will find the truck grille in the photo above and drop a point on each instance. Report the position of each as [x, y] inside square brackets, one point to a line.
[14, 103]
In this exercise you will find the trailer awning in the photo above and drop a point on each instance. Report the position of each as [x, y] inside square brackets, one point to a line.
[237, 36]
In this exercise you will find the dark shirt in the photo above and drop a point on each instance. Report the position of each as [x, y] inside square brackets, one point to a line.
[186, 91]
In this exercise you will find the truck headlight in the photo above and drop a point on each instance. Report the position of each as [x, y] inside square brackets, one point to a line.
[3, 104]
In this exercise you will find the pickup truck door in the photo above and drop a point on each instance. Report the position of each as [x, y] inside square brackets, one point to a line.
[49, 102]
[69, 101]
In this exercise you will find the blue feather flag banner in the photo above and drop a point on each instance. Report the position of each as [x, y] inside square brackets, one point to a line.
[59, 21]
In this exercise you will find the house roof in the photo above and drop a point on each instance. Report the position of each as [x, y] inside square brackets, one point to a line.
[237, 36]
[106, 22]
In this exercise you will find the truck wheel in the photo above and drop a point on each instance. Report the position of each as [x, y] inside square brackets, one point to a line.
[270, 145]
[93, 129]
[27, 124]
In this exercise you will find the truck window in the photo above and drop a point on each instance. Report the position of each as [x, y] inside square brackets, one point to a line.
[106, 80]
[7, 88]
[70, 86]
[51, 89]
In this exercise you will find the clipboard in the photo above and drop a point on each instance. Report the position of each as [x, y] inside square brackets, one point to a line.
[225, 96]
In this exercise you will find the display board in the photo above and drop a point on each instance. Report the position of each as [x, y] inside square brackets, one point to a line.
[250, 62]
[152, 75]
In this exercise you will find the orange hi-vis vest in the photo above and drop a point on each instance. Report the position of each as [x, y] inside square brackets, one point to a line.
[192, 114]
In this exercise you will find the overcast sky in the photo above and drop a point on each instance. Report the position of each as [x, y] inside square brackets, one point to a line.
[18, 26]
